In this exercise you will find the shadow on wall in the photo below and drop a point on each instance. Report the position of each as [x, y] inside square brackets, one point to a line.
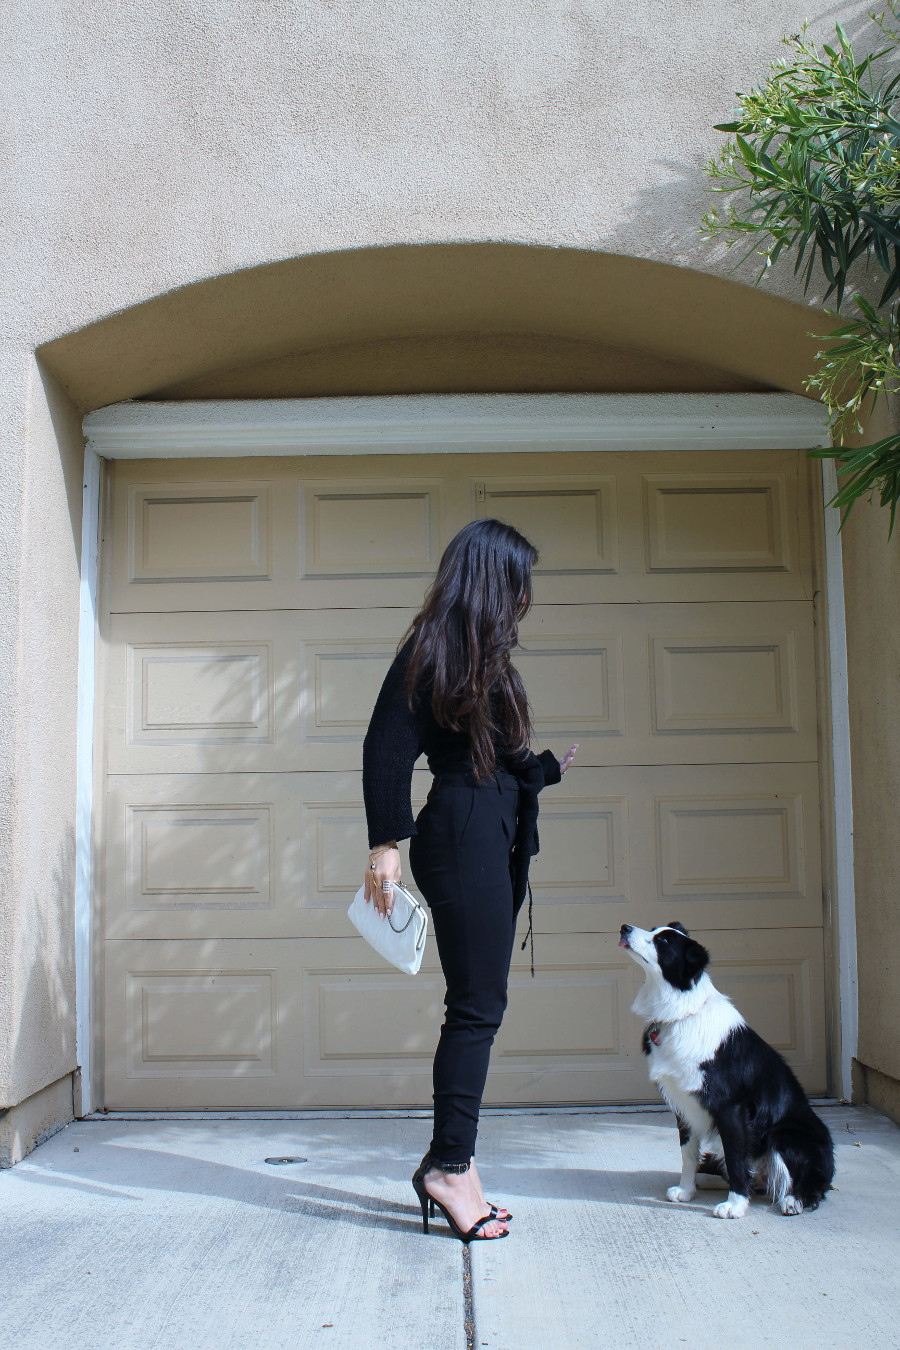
[65, 421]
[39, 941]
[43, 1022]
[180, 344]
[462, 363]
[667, 208]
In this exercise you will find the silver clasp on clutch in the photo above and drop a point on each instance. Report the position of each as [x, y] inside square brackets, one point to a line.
[416, 911]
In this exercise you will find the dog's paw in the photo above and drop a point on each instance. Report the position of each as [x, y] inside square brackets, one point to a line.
[791, 1205]
[679, 1195]
[735, 1207]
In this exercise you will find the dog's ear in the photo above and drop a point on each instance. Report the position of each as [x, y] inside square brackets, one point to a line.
[679, 927]
[696, 959]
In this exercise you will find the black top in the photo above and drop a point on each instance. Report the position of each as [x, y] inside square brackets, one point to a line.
[397, 736]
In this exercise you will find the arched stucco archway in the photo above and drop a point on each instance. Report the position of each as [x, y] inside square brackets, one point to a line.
[440, 318]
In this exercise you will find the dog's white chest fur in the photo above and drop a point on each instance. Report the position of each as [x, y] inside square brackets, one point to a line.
[688, 1028]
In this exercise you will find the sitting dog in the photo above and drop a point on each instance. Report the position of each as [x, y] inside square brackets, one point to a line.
[730, 1091]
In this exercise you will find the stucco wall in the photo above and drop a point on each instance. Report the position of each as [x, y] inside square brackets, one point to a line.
[872, 581]
[42, 469]
[475, 362]
[12, 422]
[156, 143]
[149, 145]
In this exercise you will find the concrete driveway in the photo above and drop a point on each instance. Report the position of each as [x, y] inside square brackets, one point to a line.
[143, 1234]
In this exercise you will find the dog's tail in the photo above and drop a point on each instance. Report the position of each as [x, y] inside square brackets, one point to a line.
[800, 1163]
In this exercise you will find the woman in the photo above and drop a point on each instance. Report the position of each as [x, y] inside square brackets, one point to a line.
[453, 694]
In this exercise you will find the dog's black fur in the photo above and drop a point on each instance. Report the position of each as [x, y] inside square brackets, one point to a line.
[759, 1108]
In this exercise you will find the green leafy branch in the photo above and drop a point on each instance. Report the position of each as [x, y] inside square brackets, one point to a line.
[813, 170]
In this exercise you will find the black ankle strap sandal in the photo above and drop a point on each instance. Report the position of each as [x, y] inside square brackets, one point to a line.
[458, 1168]
[473, 1234]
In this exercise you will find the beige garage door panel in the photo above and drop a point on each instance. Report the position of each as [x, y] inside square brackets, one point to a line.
[315, 1023]
[657, 684]
[236, 855]
[636, 534]
[333, 533]
[633, 684]
[271, 534]
[318, 1023]
[221, 693]
[201, 1024]
[729, 846]
[266, 855]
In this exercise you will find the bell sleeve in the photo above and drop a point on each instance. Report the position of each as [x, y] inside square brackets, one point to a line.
[528, 763]
[392, 745]
[550, 766]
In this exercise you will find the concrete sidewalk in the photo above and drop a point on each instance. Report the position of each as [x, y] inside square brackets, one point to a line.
[141, 1235]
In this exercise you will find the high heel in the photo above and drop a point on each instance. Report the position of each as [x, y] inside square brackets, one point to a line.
[423, 1168]
[473, 1234]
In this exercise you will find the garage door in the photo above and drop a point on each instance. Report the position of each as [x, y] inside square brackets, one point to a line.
[251, 608]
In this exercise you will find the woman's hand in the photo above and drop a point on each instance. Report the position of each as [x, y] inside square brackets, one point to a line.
[564, 763]
[379, 880]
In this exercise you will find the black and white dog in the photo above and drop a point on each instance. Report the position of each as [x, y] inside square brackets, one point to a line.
[732, 1094]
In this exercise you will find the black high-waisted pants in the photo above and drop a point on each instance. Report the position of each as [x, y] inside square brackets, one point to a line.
[460, 859]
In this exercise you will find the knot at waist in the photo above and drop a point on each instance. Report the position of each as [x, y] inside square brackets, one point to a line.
[461, 767]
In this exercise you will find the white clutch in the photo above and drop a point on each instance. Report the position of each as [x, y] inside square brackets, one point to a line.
[400, 938]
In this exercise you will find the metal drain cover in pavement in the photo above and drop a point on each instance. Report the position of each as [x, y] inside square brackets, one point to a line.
[280, 1162]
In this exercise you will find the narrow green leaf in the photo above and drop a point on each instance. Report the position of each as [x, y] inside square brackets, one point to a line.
[890, 228]
[748, 154]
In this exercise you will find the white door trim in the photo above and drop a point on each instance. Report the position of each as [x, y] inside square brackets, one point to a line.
[84, 802]
[424, 423]
[843, 795]
[461, 423]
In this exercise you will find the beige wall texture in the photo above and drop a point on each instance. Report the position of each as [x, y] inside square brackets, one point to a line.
[157, 143]
[40, 474]
[465, 317]
[872, 594]
[152, 146]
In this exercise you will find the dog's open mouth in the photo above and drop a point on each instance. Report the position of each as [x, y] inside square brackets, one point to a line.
[625, 941]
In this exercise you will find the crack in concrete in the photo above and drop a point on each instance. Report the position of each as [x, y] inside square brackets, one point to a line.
[468, 1305]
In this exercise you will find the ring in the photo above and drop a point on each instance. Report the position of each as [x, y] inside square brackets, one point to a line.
[386, 885]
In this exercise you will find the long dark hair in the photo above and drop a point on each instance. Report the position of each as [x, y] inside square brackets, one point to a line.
[464, 633]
